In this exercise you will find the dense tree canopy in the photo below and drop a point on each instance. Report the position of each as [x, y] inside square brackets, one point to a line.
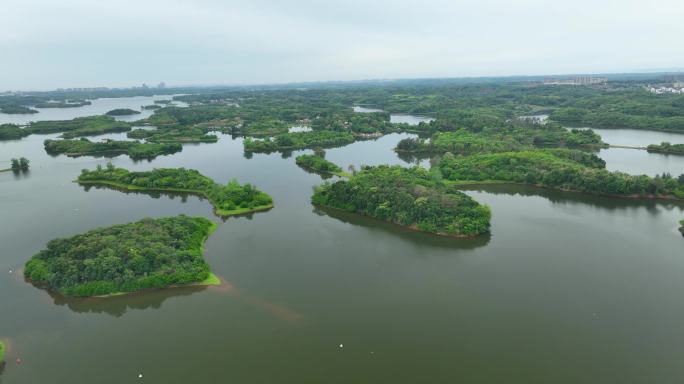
[229, 199]
[298, 140]
[12, 132]
[151, 253]
[665, 147]
[317, 163]
[562, 169]
[84, 147]
[406, 196]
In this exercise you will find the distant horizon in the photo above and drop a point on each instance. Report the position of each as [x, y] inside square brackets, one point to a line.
[154, 85]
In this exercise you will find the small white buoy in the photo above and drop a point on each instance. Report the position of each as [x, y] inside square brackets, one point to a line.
[10, 271]
[341, 345]
[140, 376]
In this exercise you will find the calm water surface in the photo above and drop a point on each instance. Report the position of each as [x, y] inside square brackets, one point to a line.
[640, 161]
[397, 117]
[98, 107]
[567, 289]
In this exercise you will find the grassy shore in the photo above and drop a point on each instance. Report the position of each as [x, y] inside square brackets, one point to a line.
[219, 212]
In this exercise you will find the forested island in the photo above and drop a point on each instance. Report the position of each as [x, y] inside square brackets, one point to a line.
[122, 112]
[80, 126]
[148, 254]
[230, 199]
[317, 163]
[12, 132]
[406, 196]
[667, 148]
[63, 104]
[298, 140]
[17, 110]
[135, 149]
[561, 169]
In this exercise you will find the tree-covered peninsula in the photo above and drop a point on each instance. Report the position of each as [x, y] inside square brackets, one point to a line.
[230, 199]
[666, 148]
[135, 149]
[406, 196]
[151, 253]
[122, 112]
[501, 139]
[560, 169]
[317, 163]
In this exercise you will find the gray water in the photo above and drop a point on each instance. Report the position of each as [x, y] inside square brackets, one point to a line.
[98, 107]
[397, 117]
[637, 161]
[568, 288]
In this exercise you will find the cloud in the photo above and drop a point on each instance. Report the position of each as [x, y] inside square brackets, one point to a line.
[46, 44]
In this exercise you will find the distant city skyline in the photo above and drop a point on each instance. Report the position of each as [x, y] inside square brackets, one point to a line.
[118, 43]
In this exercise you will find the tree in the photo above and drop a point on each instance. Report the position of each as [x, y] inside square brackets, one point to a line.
[16, 165]
[24, 163]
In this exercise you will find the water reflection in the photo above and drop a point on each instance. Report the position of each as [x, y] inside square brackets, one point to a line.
[118, 306]
[417, 237]
[172, 195]
[570, 198]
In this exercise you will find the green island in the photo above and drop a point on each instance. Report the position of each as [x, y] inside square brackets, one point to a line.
[298, 140]
[17, 110]
[228, 200]
[409, 197]
[125, 258]
[563, 169]
[3, 349]
[135, 149]
[80, 126]
[151, 107]
[666, 148]
[317, 163]
[173, 135]
[12, 132]
[122, 112]
[681, 227]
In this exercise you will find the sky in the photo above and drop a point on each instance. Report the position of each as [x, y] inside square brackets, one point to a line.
[46, 44]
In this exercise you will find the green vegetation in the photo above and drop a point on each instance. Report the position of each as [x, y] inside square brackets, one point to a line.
[151, 253]
[80, 126]
[230, 199]
[21, 164]
[122, 112]
[12, 132]
[406, 196]
[665, 147]
[17, 110]
[152, 107]
[317, 163]
[2, 352]
[298, 140]
[135, 149]
[681, 227]
[560, 169]
[506, 139]
[173, 135]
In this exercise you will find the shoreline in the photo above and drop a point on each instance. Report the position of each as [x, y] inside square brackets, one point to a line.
[217, 211]
[412, 228]
[500, 182]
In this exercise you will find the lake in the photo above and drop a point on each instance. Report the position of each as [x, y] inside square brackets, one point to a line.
[397, 117]
[98, 107]
[640, 161]
[568, 288]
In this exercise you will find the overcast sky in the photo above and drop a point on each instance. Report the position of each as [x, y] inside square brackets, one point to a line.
[46, 44]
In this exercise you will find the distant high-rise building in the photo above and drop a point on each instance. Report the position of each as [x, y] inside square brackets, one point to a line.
[161, 85]
[579, 80]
